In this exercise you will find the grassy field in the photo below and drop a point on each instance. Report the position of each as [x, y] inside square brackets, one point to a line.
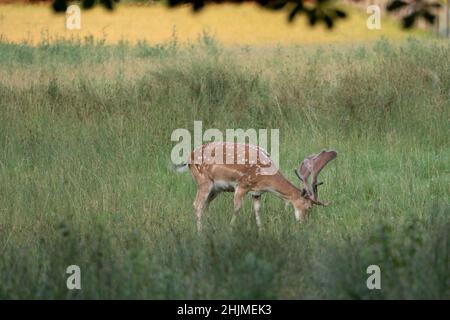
[157, 23]
[85, 172]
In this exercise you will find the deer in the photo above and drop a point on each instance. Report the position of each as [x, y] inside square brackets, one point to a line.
[248, 169]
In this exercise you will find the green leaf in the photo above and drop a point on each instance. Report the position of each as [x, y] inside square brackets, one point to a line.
[298, 8]
[312, 16]
[59, 6]
[277, 5]
[395, 5]
[340, 13]
[88, 4]
[429, 17]
[328, 21]
[108, 4]
[408, 21]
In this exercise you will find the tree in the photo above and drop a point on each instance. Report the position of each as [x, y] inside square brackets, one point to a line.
[317, 11]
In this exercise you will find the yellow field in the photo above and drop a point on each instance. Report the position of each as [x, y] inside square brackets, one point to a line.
[229, 24]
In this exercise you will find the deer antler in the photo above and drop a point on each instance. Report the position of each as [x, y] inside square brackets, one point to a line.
[313, 164]
[304, 178]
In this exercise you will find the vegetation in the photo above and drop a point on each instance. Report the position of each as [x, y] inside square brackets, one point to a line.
[85, 172]
[319, 11]
[156, 24]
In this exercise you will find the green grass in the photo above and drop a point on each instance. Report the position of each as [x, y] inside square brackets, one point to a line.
[85, 172]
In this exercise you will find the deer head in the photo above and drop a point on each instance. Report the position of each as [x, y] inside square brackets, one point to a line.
[312, 165]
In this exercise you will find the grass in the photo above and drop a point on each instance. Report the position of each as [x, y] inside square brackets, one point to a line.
[85, 173]
[157, 24]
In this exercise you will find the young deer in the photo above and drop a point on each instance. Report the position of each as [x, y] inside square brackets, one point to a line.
[242, 168]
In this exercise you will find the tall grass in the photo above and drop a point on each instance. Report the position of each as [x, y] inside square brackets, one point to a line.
[85, 173]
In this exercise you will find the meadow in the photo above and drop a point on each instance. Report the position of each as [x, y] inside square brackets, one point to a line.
[86, 178]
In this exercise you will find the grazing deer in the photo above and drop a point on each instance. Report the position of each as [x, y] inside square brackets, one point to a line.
[249, 169]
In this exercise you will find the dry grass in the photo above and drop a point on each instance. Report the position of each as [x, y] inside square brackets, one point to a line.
[229, 24]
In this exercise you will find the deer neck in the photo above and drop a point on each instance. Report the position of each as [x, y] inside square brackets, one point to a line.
[285, 189]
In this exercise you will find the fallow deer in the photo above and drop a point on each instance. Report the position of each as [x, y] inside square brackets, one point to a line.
[243, 168]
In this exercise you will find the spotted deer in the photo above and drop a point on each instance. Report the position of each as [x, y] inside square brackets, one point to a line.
[244, 168]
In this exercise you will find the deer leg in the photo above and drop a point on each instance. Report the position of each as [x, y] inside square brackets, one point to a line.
[257, 207]
[238, 196]
[212, 195]
[200, 201]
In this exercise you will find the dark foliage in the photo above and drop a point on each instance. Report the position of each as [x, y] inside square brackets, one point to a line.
[415, 10]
